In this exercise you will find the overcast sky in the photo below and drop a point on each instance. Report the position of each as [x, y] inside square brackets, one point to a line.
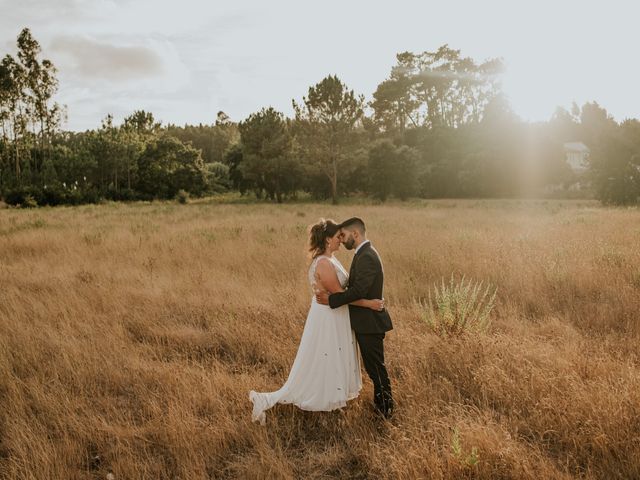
[184, 60]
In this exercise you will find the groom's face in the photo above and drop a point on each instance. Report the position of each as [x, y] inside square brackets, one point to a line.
[346, 237]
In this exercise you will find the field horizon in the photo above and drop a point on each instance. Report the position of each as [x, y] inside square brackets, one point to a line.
[131, 334]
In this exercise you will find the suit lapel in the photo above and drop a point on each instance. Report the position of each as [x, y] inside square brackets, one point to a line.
[352, 269]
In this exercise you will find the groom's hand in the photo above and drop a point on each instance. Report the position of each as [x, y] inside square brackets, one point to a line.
[322, 297]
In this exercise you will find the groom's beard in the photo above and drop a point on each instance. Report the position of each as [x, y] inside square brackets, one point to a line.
[349, 243]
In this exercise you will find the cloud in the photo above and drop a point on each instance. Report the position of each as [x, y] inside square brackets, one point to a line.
[185, 60]
[106, 75]
[89, 58]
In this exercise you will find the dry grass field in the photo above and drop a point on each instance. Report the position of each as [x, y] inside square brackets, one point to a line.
[130, 336]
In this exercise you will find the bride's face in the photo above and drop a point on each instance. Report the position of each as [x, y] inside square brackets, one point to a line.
[333, 243]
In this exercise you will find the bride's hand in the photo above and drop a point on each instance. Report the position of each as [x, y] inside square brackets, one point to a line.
[377, 304]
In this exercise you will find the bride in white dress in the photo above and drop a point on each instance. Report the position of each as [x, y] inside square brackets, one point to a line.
[326, 371]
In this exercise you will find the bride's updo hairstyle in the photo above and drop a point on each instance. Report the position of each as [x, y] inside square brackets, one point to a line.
[318, 234]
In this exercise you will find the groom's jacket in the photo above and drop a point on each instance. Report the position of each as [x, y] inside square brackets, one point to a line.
[366, 279]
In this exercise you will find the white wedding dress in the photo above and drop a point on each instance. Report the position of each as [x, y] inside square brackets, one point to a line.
[326, 370]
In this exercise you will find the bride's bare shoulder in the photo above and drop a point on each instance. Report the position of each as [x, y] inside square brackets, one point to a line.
[323, 264]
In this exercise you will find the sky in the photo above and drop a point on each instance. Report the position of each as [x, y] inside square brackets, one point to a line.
[186, 60]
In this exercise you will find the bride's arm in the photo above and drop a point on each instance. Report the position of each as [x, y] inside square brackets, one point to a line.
[327, 279]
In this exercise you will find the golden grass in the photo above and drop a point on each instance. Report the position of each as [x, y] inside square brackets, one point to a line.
[130, 336]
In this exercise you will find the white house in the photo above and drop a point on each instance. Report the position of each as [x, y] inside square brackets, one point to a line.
[577, 154]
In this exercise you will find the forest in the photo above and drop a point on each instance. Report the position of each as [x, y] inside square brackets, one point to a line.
[438, 127]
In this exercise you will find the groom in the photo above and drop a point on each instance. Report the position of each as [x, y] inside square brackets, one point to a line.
[366, 278]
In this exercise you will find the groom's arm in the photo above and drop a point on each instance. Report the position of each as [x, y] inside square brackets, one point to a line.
[367, 271]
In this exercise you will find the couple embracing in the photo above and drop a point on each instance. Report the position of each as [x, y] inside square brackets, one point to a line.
[347, 316]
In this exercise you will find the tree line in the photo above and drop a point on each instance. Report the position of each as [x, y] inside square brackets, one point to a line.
[438, 126]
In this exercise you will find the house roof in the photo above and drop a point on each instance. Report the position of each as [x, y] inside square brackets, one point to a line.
[576, 147]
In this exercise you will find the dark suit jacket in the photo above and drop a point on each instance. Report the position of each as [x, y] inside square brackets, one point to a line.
[366, 280]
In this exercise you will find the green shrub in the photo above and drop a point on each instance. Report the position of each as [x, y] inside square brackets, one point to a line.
[470, 459]
[91, 195]
[73, 197]
[182, 196]
[23, 194]
[460, 308]
[53, 194]
[29, 202]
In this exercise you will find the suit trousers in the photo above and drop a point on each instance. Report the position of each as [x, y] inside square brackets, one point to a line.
[372, 351]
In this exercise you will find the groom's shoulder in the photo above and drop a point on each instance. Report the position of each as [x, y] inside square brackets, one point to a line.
[371, 252]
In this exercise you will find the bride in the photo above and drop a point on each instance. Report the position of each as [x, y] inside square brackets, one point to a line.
[326, 370]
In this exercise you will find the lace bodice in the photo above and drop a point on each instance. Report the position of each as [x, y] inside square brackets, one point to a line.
[343, 276]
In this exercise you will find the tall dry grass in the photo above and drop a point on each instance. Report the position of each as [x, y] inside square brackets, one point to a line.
[131, 334]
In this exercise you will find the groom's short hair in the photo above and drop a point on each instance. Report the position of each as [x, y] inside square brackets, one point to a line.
[354, 222]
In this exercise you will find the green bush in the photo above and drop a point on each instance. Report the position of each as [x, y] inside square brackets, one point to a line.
[29, 202]
[470, 459]
[23, 194]
[73, 197]
[53, 194]
[182, 196]
[460, 308]
[91, 195]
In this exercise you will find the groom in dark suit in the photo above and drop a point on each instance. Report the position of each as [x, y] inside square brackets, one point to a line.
[366, 278]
